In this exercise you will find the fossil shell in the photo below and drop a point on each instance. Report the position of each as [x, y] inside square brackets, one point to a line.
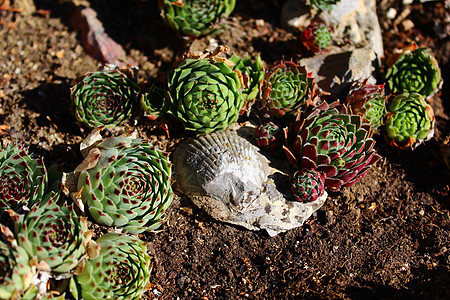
[225, 175]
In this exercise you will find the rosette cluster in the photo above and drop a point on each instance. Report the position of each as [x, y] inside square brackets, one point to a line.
[104, 98]
[120, 271]
[415, 71]
[54, 235]
[195, 17]
[204, 94]
[316, 37]
[23, 179]
[332, 141]
[268, 136]
[287, 88]
[410, 120]
[368, 101]
[129, 186]
[322, 5]
[307, 185]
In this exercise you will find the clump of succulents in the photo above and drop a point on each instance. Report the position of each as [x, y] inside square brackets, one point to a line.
[120, 271]
[322, 5]
[268, 136]
[307, 185]
[254, 75]
[152, 100]
[414, 71]
[195, 17]
[104, 98]
[204, 94]
[287, 88]
[331, 140]
[316, 37]
[23, 179]
[410, 120]
[16, 268]
[369, 101]
[127, 184]
[55, 236]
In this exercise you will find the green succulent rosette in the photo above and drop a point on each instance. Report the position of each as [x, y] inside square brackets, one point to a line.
[316, 37]
[16, 273]
[152, 100]
[120, 271]
[307, 185]
[54, 235]
[415, 71]
[23, 179]
[322, 5]
[195, 17]
[253, 72]
[331, 140]
[104, 98]
[368, 101]
[204, 94]
[287, 88]
[129, 187]
[410, 121]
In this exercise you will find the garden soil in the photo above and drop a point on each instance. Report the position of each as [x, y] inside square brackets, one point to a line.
[387, 237]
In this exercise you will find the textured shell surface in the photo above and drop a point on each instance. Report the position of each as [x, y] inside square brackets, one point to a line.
[227, 177]
[221, 165]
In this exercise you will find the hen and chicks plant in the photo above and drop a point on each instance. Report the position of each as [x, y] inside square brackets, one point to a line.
[127, 185]
[205, 94]
[195, 17]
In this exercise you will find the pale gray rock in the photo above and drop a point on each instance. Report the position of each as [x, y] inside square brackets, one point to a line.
[227, 177]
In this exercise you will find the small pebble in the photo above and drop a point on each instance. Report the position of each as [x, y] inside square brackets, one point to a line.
[406, 2]
[391, 13]
[407, 25]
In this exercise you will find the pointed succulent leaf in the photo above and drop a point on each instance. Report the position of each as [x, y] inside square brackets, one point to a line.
[415, 71]
[287, 88]
[55, 235]
[254, 75]
[129, 187]
[316, 37]
[104, 98]
[410, 121]
[307, 185]
[195, 17]
[204, 94]
[334, 142]
[368, 101]
[23, 179]
[16, 272]
[120, 271]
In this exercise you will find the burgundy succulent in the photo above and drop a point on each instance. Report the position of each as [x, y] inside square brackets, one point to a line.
[308, 185]
[268, 135]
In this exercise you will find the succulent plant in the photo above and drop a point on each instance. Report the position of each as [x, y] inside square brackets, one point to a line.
[268, 136]
[195, 17]
[23, 179]
[16, 272]
[204, 94]
[414, 71]
[287, 88]
[253, 72]
[410, 120]
[320, 5]
[316, 37]
[120, 271]
[54, 235]
[104, 98]
[152, 100]
[128, 186]
[369, 101]
[331, 140]
[308, 185]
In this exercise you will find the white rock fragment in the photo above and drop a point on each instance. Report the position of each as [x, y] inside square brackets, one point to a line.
[227, 177]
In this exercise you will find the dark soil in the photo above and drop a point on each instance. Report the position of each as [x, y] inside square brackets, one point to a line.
[387, 237]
